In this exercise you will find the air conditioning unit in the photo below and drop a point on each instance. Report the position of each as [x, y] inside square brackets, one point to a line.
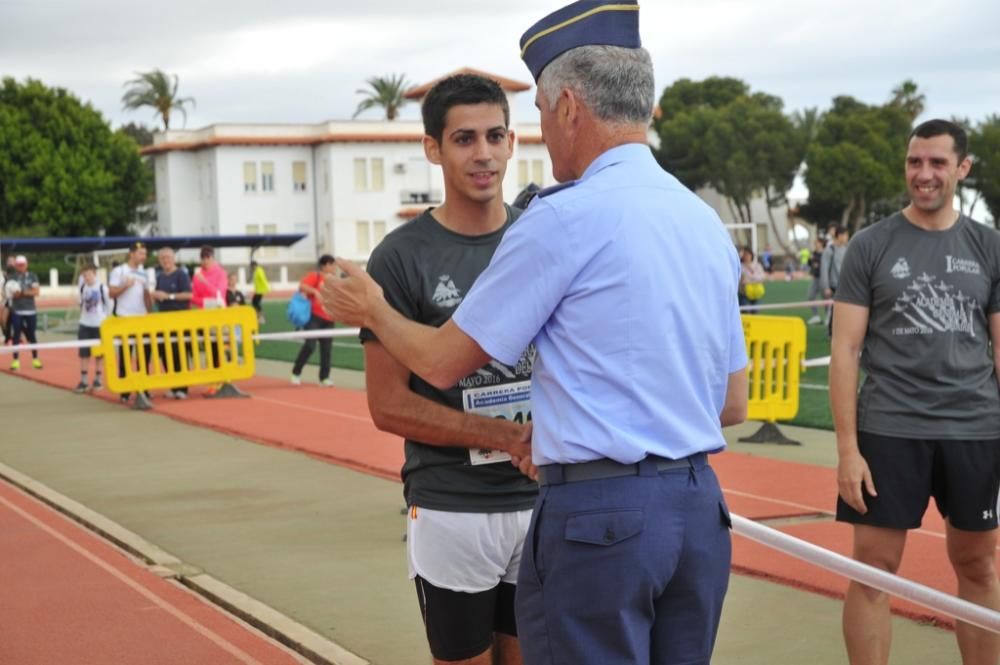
[399, 168]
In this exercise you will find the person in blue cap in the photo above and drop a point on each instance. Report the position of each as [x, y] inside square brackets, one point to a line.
[627, 284]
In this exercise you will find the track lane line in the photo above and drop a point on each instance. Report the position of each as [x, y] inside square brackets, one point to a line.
[178, 614]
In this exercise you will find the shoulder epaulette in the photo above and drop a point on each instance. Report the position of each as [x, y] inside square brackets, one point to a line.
[555, 188]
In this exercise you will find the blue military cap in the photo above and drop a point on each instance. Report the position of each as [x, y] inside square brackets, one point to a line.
[582, 23]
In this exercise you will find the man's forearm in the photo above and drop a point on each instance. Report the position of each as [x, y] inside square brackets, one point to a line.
[844, 399]
[412, 416]
[426, 351]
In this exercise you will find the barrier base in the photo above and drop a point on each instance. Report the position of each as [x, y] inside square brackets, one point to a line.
[227, 390]
[769, 433]
[142, 403]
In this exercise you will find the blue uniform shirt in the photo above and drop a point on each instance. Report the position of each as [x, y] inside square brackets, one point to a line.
[627, 284]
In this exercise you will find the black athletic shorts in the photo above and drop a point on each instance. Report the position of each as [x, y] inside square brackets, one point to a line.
[962, 476]
[86, 333]
[461, 625]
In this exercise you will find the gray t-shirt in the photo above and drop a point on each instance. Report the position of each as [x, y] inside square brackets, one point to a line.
[24, 304]
[425, 270]
[928, 365]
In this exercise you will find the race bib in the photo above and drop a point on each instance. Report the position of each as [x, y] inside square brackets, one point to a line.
[511, 401]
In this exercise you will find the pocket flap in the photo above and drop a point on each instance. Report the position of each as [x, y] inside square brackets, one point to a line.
[605, 527]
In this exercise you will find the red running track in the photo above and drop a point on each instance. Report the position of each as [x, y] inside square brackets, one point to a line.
[69, 597]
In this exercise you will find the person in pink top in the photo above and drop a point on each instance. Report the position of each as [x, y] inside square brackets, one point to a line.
[210, 283]
[208, 290]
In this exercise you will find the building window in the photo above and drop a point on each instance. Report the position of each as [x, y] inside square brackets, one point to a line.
[378, 232]
[522, 173]
[360, 175]
[299, 176]
[268, 252]
[378, 174]
[364, 245]
[249, 176]
[538, 172]
[267, 176]
[253, 229]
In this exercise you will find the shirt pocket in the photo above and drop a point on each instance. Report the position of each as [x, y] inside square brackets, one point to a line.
[605, 528]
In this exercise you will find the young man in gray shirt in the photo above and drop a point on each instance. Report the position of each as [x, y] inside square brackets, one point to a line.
[469, 507]
[919, 299]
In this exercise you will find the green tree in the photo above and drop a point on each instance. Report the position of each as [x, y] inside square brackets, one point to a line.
[158, 90]
[386, 92]
[62, 169]
[855, 163]
[141, 134]
[717, 133]
[984, 144]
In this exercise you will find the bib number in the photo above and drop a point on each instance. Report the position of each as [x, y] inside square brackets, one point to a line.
[511, 401]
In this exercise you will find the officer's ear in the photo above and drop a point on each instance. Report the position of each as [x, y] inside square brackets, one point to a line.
[432, 150]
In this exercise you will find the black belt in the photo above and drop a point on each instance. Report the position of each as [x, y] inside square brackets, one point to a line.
[557, 474]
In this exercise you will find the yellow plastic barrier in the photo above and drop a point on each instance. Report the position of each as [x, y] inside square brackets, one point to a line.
[208, 346]
[776, 347]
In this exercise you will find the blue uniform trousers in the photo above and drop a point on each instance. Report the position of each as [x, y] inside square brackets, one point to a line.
[625, 571]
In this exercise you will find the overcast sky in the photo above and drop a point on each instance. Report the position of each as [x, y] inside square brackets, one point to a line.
[273, 61]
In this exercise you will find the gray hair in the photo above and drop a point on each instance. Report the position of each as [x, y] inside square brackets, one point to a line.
[615, 83]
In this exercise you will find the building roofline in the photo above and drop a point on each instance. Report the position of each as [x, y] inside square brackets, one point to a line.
[359, 137]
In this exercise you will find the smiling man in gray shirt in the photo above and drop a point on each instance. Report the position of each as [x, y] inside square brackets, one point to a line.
[919, 299]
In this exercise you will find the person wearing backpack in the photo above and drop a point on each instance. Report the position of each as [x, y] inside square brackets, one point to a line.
[94, 299]
[318, 320]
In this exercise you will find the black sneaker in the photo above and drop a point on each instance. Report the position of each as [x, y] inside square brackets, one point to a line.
[124, 398]
[96, 385]
[80, 387]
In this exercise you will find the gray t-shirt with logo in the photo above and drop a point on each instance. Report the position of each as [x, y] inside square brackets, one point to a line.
[425, 270]
[928, 366]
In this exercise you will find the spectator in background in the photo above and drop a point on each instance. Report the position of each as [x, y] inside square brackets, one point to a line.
[830, 264]
[208, 291]
[767, 260]
[173, 294]
[21, 288]
[751, 280]
[210, 282]
[95, 305]
[319, 320]
[234, 296]
[815, 260]
[261, 287]
[127, 285]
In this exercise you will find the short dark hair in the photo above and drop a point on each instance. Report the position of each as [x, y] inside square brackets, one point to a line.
[88, 267]
[135, 247]
[325, 260]
[835, 230]
[939, 127]
[456, 90]
[207, 252]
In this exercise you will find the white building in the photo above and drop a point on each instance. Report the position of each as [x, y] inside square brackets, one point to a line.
[343, 183]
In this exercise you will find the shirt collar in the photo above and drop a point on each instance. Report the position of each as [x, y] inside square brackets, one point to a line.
[616, 155]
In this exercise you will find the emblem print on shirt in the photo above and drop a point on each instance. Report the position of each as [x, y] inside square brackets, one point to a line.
[934, 308]
[446, 294]
[955, 264]
[902, 269]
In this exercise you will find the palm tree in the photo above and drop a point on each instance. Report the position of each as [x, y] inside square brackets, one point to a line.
[384, 91]
[908, 97]
[158, 90]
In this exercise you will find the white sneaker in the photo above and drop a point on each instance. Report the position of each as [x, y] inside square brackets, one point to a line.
[814, 320]
[326, 383]
[296, 380]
